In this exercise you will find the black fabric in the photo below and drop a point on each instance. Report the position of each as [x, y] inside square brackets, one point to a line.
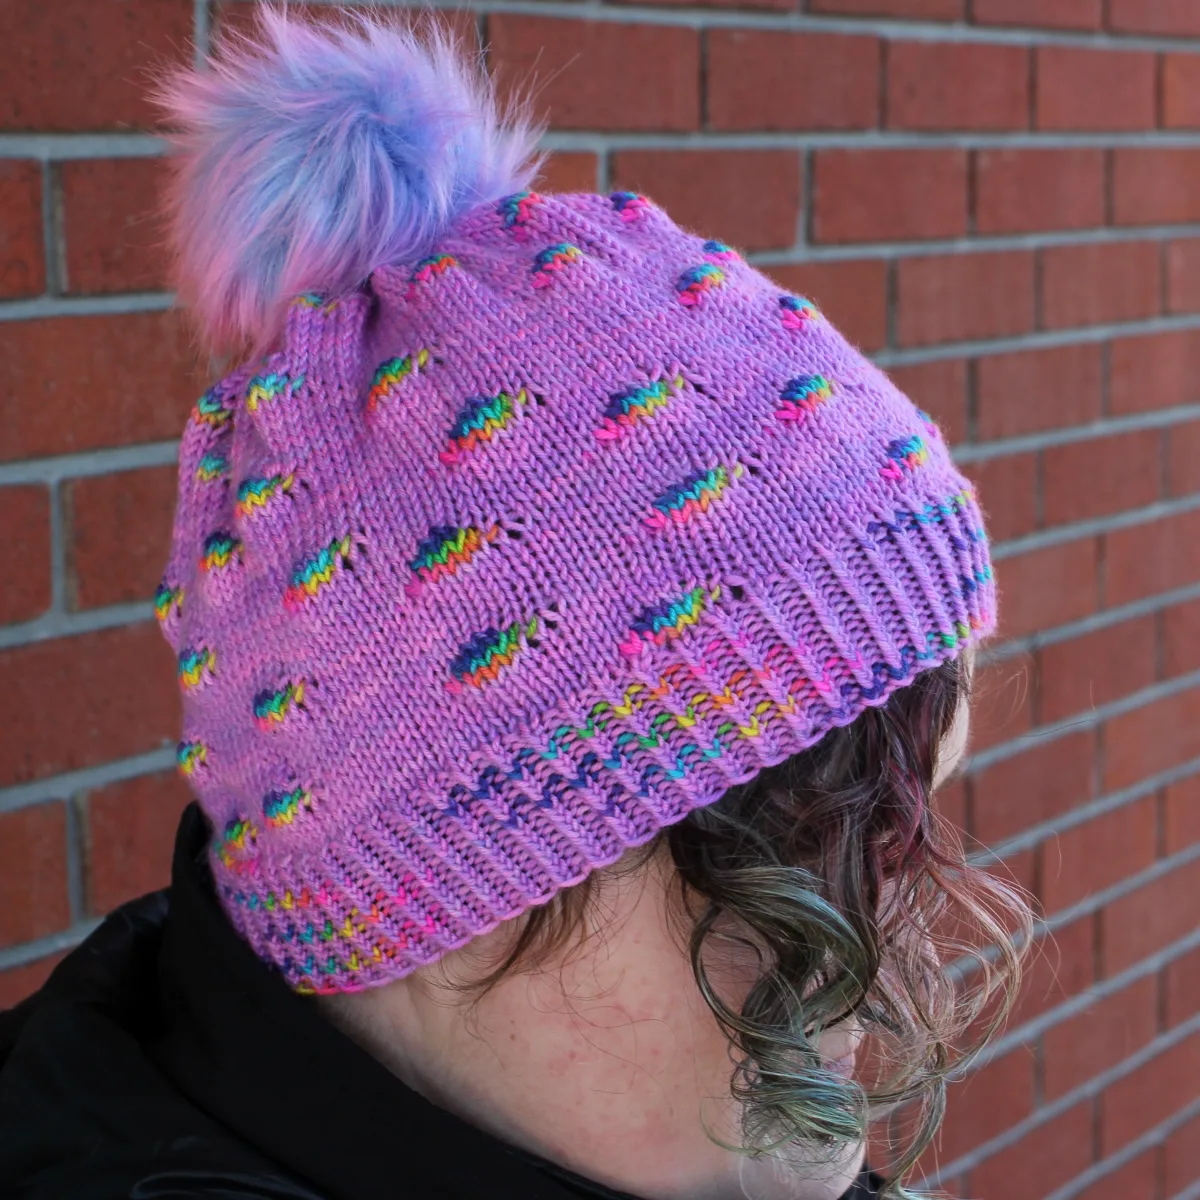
[163, 1060]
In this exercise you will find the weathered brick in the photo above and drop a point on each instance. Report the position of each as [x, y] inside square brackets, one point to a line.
[33, 873]
[926, 10]
[1156, 186]
[26, 590]
[885, 195]
[1181, 816]
[1042, 589]
[1021, 191]
[1097, 284]
[82, 63]
[986, 1103]
[957, 85]
[1101, 476]
[1033, 390]
[749, 198]
[568, 171]
[852, 293]
[1007, 489]
[1133, 1180]
[1155, 371]
[1048, 14]
[1096, 668]
[575, 66]
[79, 383]
[1142, 560]
[1147, 1096]
[1183, 275]
[768, 79]
[940, 388]
[1179, 18]
[1181, 91]
[22, 253]
[1095, 89]
[113, 243]
[1156, 737]
[1181, 1158]
[1183, 459]
[1042, 1161]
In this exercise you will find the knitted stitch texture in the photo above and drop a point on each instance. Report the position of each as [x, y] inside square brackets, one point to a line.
[521, 552]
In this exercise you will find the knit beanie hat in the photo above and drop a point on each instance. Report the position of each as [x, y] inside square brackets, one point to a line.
[543, 522]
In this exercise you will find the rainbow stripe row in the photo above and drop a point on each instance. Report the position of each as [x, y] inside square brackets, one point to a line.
[254, 495]
[272, 708]
[195, 666]
[190, 757]
[664, 622]
[209, 410]
[797, 311]
[428, 268]
[316, 572]
[479, 420]
[167, 598]
[626, 408]
[630, 205]
[394, 372]
[219, 550]
[696, 281]
[552, 259]
[719, 252]
[682, 501]
[802, 396]
[482, 659]
[517, 210]
[211, 466]
[904, 454]
[282, 808]
[238, 835]
[265, 388]
[444, 550]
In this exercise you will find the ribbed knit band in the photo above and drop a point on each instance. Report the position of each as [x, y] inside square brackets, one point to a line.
[522, 553]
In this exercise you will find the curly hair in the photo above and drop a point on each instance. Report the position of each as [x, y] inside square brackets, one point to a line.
[855, 900]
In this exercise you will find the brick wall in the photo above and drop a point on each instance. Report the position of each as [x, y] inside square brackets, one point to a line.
[999, 199]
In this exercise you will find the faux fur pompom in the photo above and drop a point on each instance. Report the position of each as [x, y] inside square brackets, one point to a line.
[309, 153]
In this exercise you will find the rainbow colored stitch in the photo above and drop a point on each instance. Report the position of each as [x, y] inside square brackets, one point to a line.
[682, 501]
[630, 205]
[929, 423]
[798, 311]
[482, 659]
[311, 576]
[219, 549]
[479, 420]
[695, 281]
[392, 373]
[272, 708]
[719, 252]
[626, 408]
[802, 396]
[264, 388]
[428, 268]
[210, 411]
[665, 621]
[517, 209]
[190, 757]
[313, 300]
[237, 836]
[212, 466]
[253, 495]
[195, 666]
[282, 808]
[552, 259]
[904, 454]
[166, 598]
[444, 550]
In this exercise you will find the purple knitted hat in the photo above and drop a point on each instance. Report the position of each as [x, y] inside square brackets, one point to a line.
[543, 524]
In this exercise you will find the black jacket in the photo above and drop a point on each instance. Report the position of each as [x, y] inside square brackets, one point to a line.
[162, 1060]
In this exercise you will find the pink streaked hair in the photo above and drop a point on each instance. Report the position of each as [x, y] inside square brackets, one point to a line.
[308, 155]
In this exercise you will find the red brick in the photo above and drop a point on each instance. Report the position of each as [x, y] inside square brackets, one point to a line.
[957, 85]
[238, 16]
[1000, 702]
[1145, 559]
[1096, 668]
[1031, 787]
[1177, 17]
[1061, 965]
[1183, 275]
[1102, 475]
[1021, 191]
[1148, 1096]
[886, 195]
[1181, 815]
[940, 388]
[1102, 283]
[112, 693]
[988, 1102]
[131, 830]
[1088, 858]
[1042, 1161]
[1182, 988]
[33, 873]
[1183, 458]
[831, 82]
[1153, 738]
[1134, 1180]
[749, 198]
[1150, 918]
[600, 74]
[950, 801]
[568, 171]
[851, 293]
[119, 535]
[928, 10]
[18, 982]
[79, 383]
[1043, 589]
[1094, 89]
[1007, 489]
[26, 594]
[1181, 638]
[964, 297]
[1156, 186]
[22, 255]
[113, 240]
[1181, 91]
[774, 5]
[1035, 390]
[1156, 371]
[1181, 1158]
[1048, 14]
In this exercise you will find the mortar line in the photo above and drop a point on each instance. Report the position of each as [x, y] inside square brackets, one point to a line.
[89, 462]
[60, 787]
[63, 624]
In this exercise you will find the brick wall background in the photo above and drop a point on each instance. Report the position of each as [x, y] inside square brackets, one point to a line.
[999, 199]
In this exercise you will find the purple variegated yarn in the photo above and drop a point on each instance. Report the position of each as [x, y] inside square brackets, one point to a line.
[540, 535]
